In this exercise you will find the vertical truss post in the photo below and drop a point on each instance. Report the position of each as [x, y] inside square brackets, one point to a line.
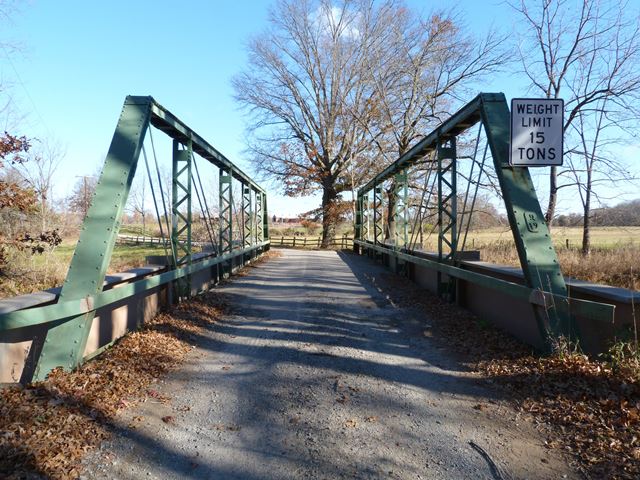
[259, 214]
[265, 218]
[378, 228]
[365, 217]
[538, 258]
[226, 216]
[65, 342]
[247, 214]
[358, 226]
[401, 235]
[447, 211]
[181, 212]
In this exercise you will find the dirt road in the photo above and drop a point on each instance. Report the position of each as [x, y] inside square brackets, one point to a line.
[315, 374]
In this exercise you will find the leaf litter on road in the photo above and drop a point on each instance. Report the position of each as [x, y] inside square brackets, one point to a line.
[47, 427]
[588, 408]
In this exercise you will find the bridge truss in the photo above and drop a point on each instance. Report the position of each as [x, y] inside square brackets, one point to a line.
[68, 322]
[435, 162]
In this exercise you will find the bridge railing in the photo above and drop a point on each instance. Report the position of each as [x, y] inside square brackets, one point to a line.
[56, 334]
[391, 213]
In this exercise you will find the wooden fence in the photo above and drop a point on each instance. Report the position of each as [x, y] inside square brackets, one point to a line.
[343, 242]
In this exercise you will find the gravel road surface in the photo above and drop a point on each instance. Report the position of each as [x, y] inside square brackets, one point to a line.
[315, 374]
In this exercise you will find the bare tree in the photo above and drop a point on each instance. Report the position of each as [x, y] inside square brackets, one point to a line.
[138, 202]
[43, 161]
[80, 198]
[587, 52]
[427, 67]
[305, 77]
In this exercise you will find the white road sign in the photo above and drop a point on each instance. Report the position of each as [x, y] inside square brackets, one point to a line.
[536, 132]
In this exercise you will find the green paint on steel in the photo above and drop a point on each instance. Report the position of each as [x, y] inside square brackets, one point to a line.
[64, 344]
[358, 222]
[537, 255]
[533, 242]
[447, 199]
[67, 335]
[259, 218]
[247, 217]
[447, 211]
[401, 235]
[181, 203]
[225, 194]
[601, 312]
[365, 217]
[63, 310]
[265, 218]
[378, 227]
[181, 210]
[226, 211]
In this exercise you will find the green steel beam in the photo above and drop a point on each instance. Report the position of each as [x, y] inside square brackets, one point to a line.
[265, 218]
[247, 217]
[64, 343]
[447, 199]
[181, 211]
[378, 228]
[602, 312]
[225, 193]
[358, 222]
[226, 212]
[447, 211]
[401, 234]
[259, 218]
[537, 255]
[164, 120]
[365, 217]
[459, 122]
[67, 309]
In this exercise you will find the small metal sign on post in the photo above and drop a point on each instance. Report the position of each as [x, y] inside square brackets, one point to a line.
[536, 132]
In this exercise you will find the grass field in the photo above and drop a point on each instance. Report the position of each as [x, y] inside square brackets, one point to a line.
[601, 237]
[34, 273]
[615, 258]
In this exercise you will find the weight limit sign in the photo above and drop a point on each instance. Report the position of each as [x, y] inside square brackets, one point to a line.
[536, 132]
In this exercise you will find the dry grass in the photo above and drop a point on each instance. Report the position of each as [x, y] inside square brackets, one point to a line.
[619, 267]
[614, 259]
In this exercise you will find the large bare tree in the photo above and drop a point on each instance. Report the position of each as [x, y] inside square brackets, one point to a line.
[585, 51]
[305, 78]
[428, 68]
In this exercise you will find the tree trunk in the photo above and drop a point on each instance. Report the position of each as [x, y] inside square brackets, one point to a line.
[553, 196]
[586, 234]
[586, 221]
[329, 214]
[390, 225]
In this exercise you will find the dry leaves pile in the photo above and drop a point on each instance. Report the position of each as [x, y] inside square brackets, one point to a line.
[591, 409]
[46, 427]
[594, 411]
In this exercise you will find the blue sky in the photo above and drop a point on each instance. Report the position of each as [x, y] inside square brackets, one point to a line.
[78, 60]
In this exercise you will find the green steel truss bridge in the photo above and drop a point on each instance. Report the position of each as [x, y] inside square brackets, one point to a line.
[425, 184]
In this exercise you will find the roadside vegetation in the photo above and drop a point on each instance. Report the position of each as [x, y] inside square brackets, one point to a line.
[589, 408]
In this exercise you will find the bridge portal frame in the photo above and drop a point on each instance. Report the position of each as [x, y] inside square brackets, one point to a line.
[69, 320]
[545, 286]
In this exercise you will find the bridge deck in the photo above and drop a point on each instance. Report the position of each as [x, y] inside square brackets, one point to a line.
[317, 375]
